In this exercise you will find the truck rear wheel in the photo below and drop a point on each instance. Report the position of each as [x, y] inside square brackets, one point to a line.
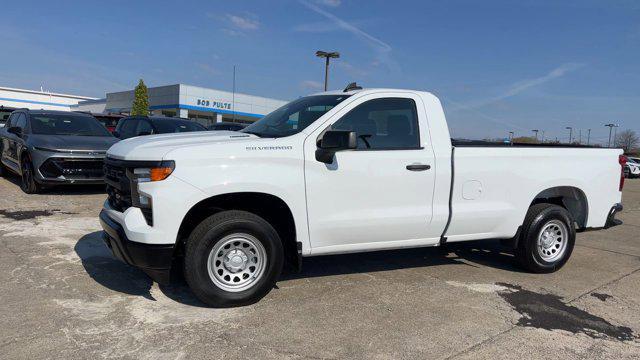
[547, 238]
[233, 258]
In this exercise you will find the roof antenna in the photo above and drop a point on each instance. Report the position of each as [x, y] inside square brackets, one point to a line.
[352, 86]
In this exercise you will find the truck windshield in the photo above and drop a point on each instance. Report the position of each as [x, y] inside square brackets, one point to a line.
[295, 116]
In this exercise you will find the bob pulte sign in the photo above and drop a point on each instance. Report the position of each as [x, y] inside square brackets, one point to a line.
[214, 104]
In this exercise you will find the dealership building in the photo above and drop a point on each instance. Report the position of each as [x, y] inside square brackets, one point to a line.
[204, 105]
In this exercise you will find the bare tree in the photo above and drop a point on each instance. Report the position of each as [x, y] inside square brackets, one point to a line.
[627, 140]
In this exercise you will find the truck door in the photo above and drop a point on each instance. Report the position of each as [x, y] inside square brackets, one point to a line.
[380, 194]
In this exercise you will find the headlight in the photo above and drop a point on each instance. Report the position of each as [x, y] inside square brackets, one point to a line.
[149, 174]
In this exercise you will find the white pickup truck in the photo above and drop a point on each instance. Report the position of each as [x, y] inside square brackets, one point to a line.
[338, 172]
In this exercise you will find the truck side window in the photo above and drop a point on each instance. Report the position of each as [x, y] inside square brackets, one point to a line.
[389, 123]
[128, 128]
[144, 128]
[21, 122]
[12, 120]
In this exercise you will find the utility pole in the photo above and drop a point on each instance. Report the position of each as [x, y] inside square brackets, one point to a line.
[588, 135]
[610, 126]
[570, 133]
[327, 56]
[580, 138]
[615, 134]
[233, 96]
[535, 131]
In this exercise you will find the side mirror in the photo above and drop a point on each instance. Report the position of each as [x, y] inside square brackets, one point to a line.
[15, 130]
[333, 141]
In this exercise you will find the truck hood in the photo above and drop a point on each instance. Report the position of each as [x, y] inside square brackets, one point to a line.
[155, 147]
[72, 143]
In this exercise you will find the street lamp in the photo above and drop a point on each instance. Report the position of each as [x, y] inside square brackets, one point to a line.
[570, 132]
[535, 131]
[610, 126]
[327, 56]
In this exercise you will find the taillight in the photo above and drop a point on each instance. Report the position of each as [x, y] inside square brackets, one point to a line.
[622, 160]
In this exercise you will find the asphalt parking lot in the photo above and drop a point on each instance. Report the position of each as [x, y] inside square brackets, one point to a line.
[64, 296]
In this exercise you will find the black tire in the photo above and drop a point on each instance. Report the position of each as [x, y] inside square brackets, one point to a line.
[217, 229]
[28, 182]
[539, 217]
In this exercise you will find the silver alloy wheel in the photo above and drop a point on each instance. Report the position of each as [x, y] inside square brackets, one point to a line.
[552, 240]
[237, 262]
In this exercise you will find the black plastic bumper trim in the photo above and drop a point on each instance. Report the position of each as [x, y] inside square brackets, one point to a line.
[154, 260]
[611, 218]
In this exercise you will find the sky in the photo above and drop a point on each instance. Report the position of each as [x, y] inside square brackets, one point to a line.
[496, 65]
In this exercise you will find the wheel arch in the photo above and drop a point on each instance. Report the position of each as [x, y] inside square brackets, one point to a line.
[572, 198]
[270, 207]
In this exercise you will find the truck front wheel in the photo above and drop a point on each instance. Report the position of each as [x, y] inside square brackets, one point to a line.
[547, 238]
[233, 258]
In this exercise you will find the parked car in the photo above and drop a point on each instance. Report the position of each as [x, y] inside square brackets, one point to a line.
[132, 126]
[53, 147]
[632, 168]
[4, 114]
[110, 121]
[227, 126]
[340, 172]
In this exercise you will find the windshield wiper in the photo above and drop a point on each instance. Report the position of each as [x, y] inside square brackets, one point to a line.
[252, 133]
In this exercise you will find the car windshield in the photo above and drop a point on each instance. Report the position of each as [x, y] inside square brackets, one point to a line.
[295, 116]
[165, 126]
[66, 124]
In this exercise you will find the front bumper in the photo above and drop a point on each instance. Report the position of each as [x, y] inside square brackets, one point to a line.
[154, 259]
[611, 218]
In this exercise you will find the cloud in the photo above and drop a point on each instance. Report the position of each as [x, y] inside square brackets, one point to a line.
[244, 23]
[313, 85]
[522, 86]
[330, 3]
[382, 49]
[207, 68]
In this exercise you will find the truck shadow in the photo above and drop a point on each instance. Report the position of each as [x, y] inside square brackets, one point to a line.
[103, 268]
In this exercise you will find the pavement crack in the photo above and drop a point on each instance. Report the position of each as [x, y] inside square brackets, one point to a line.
[602, 285]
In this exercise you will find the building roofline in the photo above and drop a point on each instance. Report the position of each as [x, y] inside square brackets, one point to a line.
[47, 93]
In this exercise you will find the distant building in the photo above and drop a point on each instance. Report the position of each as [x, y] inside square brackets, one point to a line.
[34, 99]
[202, 104]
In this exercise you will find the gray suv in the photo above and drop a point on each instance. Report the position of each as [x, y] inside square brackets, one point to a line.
[47, 147]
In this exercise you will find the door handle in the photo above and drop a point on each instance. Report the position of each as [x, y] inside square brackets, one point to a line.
[418, 167]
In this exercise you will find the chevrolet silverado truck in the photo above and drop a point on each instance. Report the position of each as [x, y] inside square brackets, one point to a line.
[339, 172]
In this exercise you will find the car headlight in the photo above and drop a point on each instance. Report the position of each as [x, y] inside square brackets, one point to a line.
[150, 174]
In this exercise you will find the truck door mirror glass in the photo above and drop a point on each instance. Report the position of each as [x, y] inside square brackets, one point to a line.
[333, 141]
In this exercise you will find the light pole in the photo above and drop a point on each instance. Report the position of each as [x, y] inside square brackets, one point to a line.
[588, 135]
[327, 56]
[610, 126]
[570, 132]
[535, 131]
